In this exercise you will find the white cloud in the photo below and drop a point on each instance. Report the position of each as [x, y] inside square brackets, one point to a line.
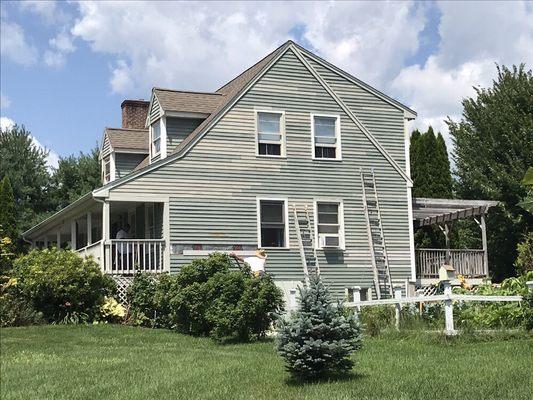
[202, 45]
[60, 46]
[47, 10]
[5, 102]
[52, 160]
[474, 37]
[14, 44]
[6, 123]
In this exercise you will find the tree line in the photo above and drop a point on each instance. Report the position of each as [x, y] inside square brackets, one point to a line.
[492, 149]
[29, 190]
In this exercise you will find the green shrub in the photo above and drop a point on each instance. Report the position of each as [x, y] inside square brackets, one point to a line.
[495, 315]
[140, 298]
[375, 319]
[15, 311]
[207, 298]
[524, 260]
[61, 285]
[319, 337]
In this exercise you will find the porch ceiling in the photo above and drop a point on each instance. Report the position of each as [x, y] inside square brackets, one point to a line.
[432, 211]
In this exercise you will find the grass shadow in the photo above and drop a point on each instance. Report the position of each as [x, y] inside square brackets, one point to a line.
[331, 378]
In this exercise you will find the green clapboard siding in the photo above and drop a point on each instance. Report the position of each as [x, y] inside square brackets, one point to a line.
[213, 189]
[126, 162]
[178, 129]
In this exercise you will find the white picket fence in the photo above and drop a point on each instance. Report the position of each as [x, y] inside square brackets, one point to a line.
[448, 298]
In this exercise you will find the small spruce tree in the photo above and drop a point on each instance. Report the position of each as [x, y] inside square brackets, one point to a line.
[318, 339]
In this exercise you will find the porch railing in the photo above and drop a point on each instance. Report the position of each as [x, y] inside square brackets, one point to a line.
[467, 262]
[128, 256]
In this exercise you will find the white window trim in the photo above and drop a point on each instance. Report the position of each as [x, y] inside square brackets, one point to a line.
[258, 212]
[337, 136]
[282, 132]
[112, 169]
[162, 153]
[342, 239]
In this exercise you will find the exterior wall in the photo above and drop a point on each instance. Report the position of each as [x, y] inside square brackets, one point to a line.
[126, 162]
[213, 190]
[178, 129]
[155, 111]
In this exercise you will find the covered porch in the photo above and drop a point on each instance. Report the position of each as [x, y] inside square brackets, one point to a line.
[91, 227]
[471, 263]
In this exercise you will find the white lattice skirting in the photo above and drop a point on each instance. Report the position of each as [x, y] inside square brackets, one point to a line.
[123, 283]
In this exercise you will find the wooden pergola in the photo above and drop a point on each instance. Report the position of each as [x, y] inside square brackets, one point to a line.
[441, 212]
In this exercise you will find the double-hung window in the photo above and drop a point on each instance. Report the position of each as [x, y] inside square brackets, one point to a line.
[273, 224]
[107, 169]
[156, 138]
[326, 136]
[270, 133]
[329, 225]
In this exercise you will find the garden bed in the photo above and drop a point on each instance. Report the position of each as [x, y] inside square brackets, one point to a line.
[117, 362]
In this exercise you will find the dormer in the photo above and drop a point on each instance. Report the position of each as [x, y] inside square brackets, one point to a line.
[124, 149]
[173, 115]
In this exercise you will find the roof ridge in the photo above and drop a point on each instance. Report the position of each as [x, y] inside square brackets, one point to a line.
[252, 66]
[186, 91]
[107, 128]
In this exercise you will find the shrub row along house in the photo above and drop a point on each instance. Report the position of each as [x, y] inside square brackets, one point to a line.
[294, 155]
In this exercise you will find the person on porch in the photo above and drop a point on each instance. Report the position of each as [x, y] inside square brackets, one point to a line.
[256, 262]
[123, 248]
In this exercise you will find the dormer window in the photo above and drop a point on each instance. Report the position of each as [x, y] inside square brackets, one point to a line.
[326, 136]
[156, 138]
[107, 169]
[270, 133]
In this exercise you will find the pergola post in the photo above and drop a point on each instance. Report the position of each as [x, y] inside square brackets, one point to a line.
[483, 226]
[446, 231]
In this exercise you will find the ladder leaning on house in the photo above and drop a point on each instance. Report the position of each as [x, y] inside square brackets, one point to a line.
[376, 239]
[306, 244]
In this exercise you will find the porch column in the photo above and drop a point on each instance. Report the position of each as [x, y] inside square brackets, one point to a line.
[483, 227]
[58, 238]
[89, 229]
[73, 234]
[106, 236]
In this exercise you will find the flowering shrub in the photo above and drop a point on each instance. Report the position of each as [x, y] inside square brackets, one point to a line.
[61, 285]
[111, 310]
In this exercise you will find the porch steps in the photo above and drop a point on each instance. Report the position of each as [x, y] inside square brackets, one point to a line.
[376, 239]
[305, 235]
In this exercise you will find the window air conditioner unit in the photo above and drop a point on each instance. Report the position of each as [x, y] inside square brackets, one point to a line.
[331, 241]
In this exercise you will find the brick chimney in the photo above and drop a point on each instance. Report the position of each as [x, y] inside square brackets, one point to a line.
[134, 113]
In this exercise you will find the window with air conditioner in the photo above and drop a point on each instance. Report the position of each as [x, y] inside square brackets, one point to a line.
[270, 133]
[326, 137]
[273, 223]
[329, 225]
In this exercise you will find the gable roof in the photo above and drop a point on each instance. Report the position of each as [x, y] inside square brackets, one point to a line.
[128, 139]
[184, 101]
[234, 89]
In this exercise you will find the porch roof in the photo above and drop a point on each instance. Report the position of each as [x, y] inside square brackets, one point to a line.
[72, 210]
[432, 211]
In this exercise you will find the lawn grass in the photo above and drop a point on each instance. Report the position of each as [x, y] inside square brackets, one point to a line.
[119, 362]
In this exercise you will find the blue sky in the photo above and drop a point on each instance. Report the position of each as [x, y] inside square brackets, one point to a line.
[66, 67]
